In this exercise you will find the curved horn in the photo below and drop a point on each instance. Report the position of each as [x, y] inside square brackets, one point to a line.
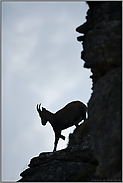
[38, 107]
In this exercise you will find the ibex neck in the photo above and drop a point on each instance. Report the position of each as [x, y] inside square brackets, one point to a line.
[49, 116]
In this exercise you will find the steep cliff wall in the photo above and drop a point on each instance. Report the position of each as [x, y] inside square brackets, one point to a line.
[102, 53]
[94, 148]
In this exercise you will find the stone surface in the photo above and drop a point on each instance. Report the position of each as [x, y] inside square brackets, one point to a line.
[102, 53]
[75, 163]
[94, 148]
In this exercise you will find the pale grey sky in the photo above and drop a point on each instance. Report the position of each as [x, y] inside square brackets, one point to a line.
[41, 63]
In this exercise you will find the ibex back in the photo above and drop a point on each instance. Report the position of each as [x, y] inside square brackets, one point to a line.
[70, 115]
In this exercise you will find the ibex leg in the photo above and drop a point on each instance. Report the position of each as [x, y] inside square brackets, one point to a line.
[57, 136]
[84, 115]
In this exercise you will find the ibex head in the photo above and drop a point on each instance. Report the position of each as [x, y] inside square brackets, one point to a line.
[41, 114]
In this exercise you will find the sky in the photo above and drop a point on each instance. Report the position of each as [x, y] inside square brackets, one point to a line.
[41, 63]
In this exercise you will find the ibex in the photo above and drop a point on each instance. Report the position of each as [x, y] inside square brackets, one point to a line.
[68, 116]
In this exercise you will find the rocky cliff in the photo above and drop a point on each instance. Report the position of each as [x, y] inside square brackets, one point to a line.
[75, 163]
[102, 53]
[94, 148]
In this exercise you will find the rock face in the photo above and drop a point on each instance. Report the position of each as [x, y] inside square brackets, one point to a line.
[94, 148]
[75, 163]
[102, 53]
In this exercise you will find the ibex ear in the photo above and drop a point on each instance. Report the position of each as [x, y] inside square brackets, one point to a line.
[43, 109]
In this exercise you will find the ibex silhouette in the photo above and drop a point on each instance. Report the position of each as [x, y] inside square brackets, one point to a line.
[68, 116]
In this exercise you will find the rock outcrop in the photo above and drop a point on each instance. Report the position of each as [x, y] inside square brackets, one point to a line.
[102, 54]
[74, 163]
[94, 148]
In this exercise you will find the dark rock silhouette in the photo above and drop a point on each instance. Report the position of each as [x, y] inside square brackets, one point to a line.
[102, 53]
[94, 148]
[70, 115]
[76, 162]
